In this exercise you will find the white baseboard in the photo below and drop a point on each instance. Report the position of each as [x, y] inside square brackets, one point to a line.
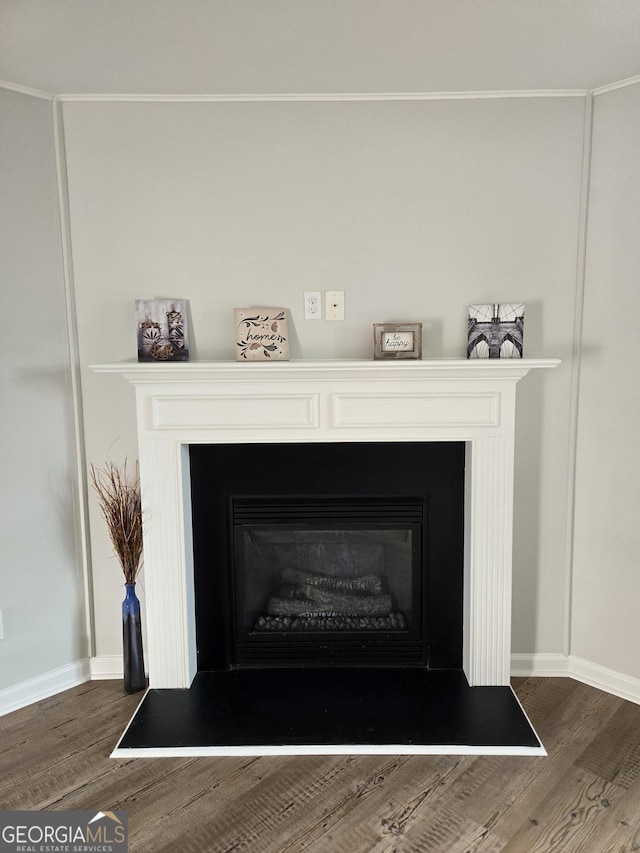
[42, 686]
[625, 686]
[541, 665]
[571, 666]
[545, 665]
[105, 667]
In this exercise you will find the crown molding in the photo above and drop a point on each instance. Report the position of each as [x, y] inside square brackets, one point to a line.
[324, 96]
[612, 87]
[25, 90]
[275, 97]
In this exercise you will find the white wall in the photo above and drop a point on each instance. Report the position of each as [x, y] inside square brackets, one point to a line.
[606, 627]
[414, 208]
[41, 583]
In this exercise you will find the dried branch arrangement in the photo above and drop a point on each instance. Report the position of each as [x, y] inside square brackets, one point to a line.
[122, 510]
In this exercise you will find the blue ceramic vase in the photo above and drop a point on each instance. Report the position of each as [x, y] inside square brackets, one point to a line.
[134, 677]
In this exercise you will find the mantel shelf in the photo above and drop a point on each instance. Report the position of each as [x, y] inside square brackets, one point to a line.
[451, 368]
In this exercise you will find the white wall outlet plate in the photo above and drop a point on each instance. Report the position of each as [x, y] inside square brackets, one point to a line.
[313, 305]
[334, 304]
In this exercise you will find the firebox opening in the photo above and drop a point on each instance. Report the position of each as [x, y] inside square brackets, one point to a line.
[328, 581]
[322, 555]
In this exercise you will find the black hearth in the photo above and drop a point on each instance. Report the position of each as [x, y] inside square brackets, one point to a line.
[328, 554]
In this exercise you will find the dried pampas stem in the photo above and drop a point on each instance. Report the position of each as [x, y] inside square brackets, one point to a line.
[122, 510]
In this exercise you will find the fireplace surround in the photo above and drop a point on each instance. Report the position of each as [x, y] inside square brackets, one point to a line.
[182, 404]
[329, 709]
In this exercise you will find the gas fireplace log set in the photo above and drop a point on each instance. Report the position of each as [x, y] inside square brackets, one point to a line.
[308, 602]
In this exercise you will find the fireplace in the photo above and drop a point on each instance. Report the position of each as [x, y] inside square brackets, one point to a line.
[225, 403]
[347, 554]
[227, 408]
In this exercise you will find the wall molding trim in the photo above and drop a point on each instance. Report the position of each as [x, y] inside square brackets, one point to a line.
[317, 96]
[576, 364]
[45, 685]
[25, 90]
[323, 96]
[571, 666]
[80, 489]
[620, 84]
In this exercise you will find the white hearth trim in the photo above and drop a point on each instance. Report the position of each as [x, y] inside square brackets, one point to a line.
[323, 749]
[180, 404]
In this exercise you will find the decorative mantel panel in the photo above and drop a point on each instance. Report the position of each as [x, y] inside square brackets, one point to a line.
[179, 404]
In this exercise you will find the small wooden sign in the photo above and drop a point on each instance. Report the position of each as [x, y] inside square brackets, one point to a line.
[397, 340]
[261, 334]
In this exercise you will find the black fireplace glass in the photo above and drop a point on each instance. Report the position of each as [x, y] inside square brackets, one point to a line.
[335, 580]
[322, 580]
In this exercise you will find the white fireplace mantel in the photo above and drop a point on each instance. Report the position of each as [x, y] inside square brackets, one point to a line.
[179, 404]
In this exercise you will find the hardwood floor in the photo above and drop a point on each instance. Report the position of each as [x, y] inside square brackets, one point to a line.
[583, 797]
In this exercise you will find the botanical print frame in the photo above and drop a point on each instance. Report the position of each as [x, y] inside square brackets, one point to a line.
[262, 334]
[161, 326]
[397, 340]
[495, 331]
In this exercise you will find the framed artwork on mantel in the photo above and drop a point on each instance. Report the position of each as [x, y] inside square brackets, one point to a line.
[495, 330]
[397, 340]
[262, 334]
[162, 329]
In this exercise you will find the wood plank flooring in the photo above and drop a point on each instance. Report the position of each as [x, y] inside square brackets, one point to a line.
[583, 797]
